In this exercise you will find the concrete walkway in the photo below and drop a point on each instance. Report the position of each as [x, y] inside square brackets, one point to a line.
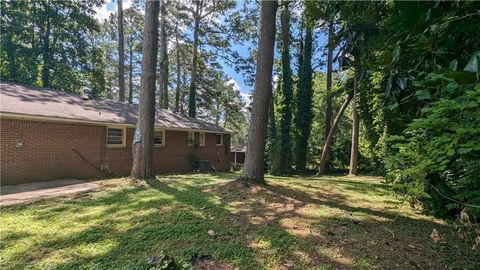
[22, 193]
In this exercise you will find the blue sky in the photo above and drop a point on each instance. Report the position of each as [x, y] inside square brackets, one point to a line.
[320, 41]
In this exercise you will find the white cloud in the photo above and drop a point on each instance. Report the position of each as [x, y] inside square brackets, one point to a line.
[245, 96]
[110, 7]
[234, 83]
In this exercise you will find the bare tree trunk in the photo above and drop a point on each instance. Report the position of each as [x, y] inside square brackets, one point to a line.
[163, 80]
[121, 54]
[183, 96]
[254, 167]
[192, 106]
[275, 149]
[217, 117]
[46, 53]
[355, 129]
[130, 73]
[143, 140]
[179, 82]
[329, 140]
[328, 97]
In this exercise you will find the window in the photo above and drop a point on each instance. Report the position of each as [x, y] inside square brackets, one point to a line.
[191, 138]
[219, 139]
[115, 137]
[159, 138]
[202, 139]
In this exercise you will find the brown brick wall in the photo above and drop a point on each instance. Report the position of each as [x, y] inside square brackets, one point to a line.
[64, 150]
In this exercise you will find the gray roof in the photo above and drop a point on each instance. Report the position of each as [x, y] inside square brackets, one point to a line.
[238, 148]
[35, 101]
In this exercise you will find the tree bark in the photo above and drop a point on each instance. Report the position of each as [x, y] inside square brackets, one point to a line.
[328, 97]
[274, 150]
[46, 49]
[254, 167]
[286, 119]
[130, 73]
[121, 54]
[163, 80]
[179, 82]
[10, 50]
[355, 129]
[143, 140]
[192, 106]
[329, 140]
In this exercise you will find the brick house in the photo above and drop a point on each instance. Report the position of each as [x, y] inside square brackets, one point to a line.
[46, 135]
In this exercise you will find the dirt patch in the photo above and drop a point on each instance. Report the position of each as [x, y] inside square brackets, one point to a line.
[213, 265]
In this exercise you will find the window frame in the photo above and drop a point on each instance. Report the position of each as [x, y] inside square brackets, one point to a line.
[124, 137]
[163, 138]
[221, 139]
[191, 141]
[201, 139]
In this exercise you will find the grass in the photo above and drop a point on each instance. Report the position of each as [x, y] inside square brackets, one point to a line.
[330, 222]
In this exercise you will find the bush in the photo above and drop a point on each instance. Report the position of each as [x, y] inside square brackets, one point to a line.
[437, 160]
[193, 161]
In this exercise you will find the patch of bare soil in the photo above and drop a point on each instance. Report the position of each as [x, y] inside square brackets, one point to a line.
[213, 265]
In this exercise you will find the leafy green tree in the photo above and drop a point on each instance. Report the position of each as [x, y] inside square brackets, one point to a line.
[303, 116]
[41, 49]
[286, 94]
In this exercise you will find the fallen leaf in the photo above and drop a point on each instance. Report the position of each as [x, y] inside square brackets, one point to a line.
[435, 236]
[288, 264]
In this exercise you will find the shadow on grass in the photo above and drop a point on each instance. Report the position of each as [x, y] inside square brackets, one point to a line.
[255, 227]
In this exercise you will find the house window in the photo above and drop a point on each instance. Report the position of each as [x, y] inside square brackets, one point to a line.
[115, 137]
[159, 138]
[202, 139]
[191, 138]
[219, 139]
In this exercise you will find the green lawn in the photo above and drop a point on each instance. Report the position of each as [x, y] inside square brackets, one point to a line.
[293, 223]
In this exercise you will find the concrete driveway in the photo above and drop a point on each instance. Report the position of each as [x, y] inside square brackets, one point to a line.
[22, 193]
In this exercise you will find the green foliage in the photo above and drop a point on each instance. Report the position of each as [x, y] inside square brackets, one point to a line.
[287, 96]
[39, 46]
[443, 144]
[193, 161]
[303, 116]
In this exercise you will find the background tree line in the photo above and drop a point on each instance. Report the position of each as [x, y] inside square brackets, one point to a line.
[60, 45]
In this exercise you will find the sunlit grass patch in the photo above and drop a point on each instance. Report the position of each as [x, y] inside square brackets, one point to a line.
[293, 222]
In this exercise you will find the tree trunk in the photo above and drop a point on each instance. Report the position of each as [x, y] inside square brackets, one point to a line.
[192, 106]
[355, 129]
[329, 140]
[286, 119]
[143, 139]
[121, 54]
[328, 97]
[303, 119]
[183, 96]
[130, 73]
[163, 80]
[274, 151]
[179, 82]
[254, 167]
[10, 50]
[46, 50]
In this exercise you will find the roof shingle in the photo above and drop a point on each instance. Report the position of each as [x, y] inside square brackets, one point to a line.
[34, 101]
